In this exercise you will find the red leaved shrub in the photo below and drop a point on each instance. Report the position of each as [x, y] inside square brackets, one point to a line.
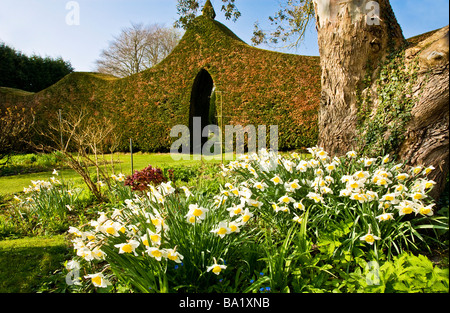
[148, 176]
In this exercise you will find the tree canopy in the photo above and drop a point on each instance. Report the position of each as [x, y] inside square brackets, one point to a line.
[136, 49]
[288, 23]
[33, 73]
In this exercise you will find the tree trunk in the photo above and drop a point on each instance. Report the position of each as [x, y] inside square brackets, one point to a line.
[356, 39]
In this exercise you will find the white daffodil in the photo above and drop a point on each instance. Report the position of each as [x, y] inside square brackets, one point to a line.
[260, 186]
[246, 216]
[236, 209]
[302, 166]
[299, 206]
[254, 203]
[416, 170]
[369, 237]
[128, 247]
[276, 180]
[98, 280]
[315, 196]
[385, 217]
[286, 199]
[155, 253]
[234, 227]
[361, 175]
[297, 219]
[405, 207]
[292, 186]
[187, 192]
[173, 255]
[425, 210]
[429, 169]
[216, 268]
[196, 214]
[222, 229]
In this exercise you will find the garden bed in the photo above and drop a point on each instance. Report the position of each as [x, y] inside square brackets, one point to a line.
[260, 224]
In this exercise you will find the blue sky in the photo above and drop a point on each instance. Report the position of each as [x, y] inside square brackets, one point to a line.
[39, 26]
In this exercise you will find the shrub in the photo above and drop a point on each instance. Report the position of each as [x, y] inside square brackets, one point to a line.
[141, 180]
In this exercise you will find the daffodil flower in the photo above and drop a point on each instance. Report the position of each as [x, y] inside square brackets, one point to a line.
[286, 199]
[416, 170]
[429, 169]
[302, 166]
[345, 193]
[315, 196]
[73, 265]
[368, 161]
[260, 186]
[154, 238]
[173, 255]
[98, 280]
[297, 219]
[222, 229]
[369, 238]
[292, 186]
[299, 206]
[385, 217]
[216, 268]
[381, 181]
[330, 167]
[402, 176]
[155, 253]
[417, 196]
[235, 209]
[355, 184]
[187, 192]
[196, 214]
[246, 216]
[405, 207]
[276, 180]
[254, 203]
[361, 175]
[112, 228]
[391, 197]
[425, 210]
[128, 247]
[234, 227]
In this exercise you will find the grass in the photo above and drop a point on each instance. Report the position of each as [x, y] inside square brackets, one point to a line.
[10, 185]
[25, 262]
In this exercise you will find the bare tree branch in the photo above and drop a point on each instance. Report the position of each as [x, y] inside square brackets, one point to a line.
[136, 49]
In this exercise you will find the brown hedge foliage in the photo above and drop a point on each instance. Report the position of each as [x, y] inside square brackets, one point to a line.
[259, 87]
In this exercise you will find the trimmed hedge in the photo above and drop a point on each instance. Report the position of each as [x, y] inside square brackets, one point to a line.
[259, 87]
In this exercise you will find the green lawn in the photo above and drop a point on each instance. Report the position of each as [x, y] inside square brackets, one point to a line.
[25, 262]
[122, 164]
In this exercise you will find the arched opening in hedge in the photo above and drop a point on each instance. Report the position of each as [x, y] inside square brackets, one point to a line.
[201, 107]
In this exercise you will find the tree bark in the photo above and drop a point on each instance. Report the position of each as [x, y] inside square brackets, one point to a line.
[427, 133]
[353, 48]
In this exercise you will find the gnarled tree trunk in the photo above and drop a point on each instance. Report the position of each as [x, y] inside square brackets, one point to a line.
[356, 38]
